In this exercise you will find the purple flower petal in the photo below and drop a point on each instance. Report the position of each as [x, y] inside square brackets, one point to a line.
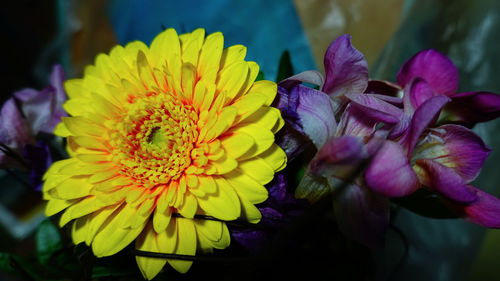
[422, 119]
[417, 92]
[389, 172]
[287, 102]
[485, 211]
[456, 147]
[375, 108]
[354, 122]
[339, 157]
[362, 215]
[341, 151]
[346, 70]
[43, 109]
[310, 76]
[474, 107]
[315, 111]
[292, 142]
[14, 131]
[445, 181]
[435, 68]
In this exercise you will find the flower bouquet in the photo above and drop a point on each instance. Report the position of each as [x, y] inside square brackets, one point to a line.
[180, 154]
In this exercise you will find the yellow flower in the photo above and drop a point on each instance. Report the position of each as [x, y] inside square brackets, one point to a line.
[158, 135]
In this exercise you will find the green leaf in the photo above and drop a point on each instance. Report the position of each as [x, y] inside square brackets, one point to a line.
[285, 68]
[5, 263]
[260, 76]
[48, 241]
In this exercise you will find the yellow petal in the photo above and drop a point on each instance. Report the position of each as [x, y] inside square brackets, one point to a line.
[54, 206]
[247, 187]
[75, 88]
[249, 211]
[186, 244]
[233, 54]
[92, 143]
[257, 169]
[265, 87]
[161, 219]
[224, 121]
[232, 78]
[188, 80]
[165, 47]
[79, 230]
[61, 130]
[111, 238]
[80, 126]
[224, 204]
[191, 44]
[189, 206]
[237, 143]
[96, 220]
[275, 157]
[71, 188]
[211, 52]
[263, 138]
[148, 241]
[212, 234]
[248, 104]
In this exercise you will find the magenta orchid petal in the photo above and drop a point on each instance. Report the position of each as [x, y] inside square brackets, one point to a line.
[389, 172]
[419, 91]
[310, 76]
[485, 211]
[315, 111]
[346, 70]
[474, 107]
[362, 215]
[446, 181]
[435, 68]
[456, 147]
[421, 120]
[375, 108]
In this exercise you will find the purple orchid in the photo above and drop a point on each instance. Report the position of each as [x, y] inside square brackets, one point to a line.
[395, 136]
[442, 78]
[38, 112]
[312, 112]
[443, 159]
[342, 147]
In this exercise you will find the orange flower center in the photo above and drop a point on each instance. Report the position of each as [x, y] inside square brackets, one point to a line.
[154, 140]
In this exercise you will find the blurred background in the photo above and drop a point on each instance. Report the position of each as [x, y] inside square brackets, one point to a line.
[38, 33]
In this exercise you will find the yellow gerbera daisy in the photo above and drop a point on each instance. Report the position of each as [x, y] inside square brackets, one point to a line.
[158, 135]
